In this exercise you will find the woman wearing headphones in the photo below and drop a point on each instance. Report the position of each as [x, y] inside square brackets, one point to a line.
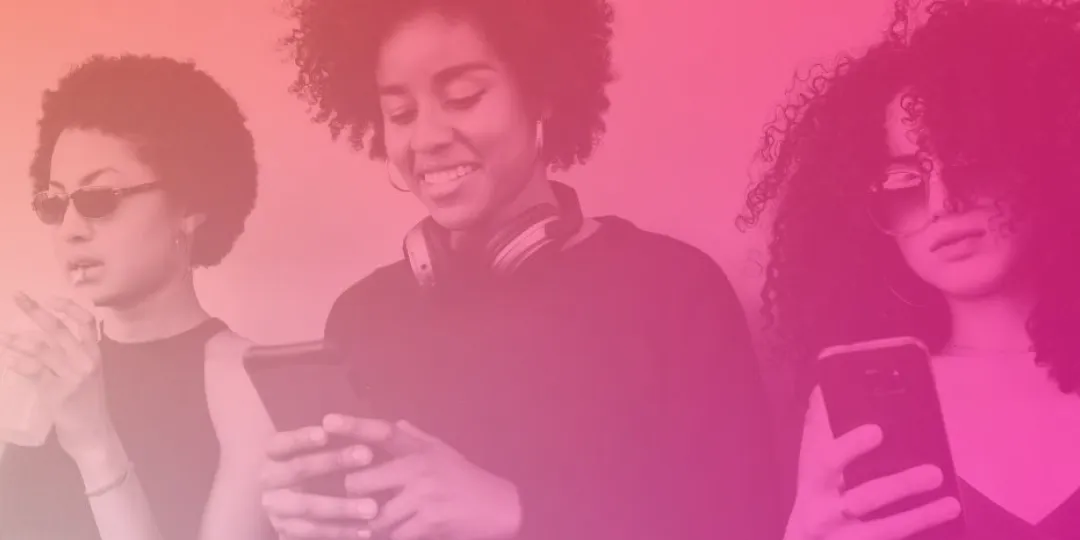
[535, 373]
[144, 171]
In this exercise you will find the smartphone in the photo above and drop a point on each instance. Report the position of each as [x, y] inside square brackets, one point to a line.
[299, 384]
[889, 382]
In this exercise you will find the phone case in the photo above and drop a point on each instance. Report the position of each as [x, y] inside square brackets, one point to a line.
[890, 383]
[299, 384]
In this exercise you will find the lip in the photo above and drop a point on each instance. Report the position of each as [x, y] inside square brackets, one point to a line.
[83, 262]
[420, 172]
[955, 237]
[446, 188]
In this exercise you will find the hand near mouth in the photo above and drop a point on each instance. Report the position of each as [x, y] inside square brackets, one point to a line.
[65, 360]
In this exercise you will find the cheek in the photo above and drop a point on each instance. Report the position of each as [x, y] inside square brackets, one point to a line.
[396, 140]
[915, 254]
[137, 241]
[496, 137]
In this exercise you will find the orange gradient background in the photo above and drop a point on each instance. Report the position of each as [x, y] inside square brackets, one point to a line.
[698, 79]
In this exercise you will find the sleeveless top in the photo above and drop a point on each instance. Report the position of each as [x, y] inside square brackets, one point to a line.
[157, 399]
[987, 520]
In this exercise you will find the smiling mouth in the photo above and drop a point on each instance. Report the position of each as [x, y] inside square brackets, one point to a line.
[953, 239]
[448, 175]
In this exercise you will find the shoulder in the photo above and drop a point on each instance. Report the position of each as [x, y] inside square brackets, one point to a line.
[226, 348]
[659, 260]
[377, 293]
[235, 407]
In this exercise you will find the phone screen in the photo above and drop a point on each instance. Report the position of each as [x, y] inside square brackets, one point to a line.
[890, 383]
[299, 385]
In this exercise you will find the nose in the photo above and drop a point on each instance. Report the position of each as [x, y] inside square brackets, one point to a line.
[939, 201]
[73, 227]
[431, 133]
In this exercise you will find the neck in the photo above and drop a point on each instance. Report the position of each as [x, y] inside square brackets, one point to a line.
[169, 311]
[536, 191]
[996, 323]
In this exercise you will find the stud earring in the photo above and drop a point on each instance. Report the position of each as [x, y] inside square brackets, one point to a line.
[539, 137]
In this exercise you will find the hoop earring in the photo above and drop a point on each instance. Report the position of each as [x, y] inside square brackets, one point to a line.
[390, 178]
[901, 297]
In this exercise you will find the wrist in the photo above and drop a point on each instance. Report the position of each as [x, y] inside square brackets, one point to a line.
[101, 463]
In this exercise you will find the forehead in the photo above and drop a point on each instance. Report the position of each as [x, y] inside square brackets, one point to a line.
[428, 43]
[900, 134]
[82, 152]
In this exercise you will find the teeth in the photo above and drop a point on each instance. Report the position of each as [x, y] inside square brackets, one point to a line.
[448, 175]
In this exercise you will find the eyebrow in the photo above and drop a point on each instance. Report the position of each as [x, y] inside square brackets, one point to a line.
[87, 179]
[441, 78]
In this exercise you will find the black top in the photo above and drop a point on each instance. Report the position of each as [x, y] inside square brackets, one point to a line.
[157, 399]
[987, 520]
[614, 384]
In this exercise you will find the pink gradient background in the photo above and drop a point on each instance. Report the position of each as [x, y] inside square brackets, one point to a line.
[698, 80]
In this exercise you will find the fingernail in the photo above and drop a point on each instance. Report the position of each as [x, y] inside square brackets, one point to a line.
[360, 456]
[407, 427]
[875, 434]
[933, 476]
[317, 436]
[366, 508]
[952, 507]
[363, 533]
[333, 421]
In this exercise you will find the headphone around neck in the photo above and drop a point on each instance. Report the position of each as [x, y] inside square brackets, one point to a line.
[541, 228]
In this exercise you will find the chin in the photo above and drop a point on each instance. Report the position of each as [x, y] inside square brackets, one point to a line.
[99, 299]
[971, 281]
[456, 217]
[101, 296]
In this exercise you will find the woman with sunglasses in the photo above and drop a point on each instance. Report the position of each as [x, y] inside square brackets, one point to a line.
[144, 171]
[555, 376]
[928, 189]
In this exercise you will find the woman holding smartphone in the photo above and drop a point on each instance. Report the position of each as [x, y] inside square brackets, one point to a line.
[555, 376]
[144, 171]
[927, 189]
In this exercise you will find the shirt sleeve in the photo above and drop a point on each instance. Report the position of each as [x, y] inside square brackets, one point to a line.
[693, 458]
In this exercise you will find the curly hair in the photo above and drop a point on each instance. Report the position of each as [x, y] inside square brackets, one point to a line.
[184, 125]
[989, 83]
[558, 50]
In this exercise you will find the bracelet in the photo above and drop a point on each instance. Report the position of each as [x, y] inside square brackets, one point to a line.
[117, 482]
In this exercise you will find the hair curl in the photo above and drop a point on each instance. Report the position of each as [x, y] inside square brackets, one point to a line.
[985, 82]
[559, 50]
[185, 126]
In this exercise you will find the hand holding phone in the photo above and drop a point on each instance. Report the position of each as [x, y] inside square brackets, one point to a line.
[300, 385]
[887, 473]
[299, 458]
[304, 491]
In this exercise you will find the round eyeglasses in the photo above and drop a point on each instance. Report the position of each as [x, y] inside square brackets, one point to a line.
[900, 204]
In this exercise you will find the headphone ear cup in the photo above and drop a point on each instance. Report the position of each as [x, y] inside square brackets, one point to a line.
[423, 250]
[509, 249]
[541, 228]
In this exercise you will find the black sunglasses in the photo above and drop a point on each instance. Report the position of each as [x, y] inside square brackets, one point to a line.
[89, 202]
